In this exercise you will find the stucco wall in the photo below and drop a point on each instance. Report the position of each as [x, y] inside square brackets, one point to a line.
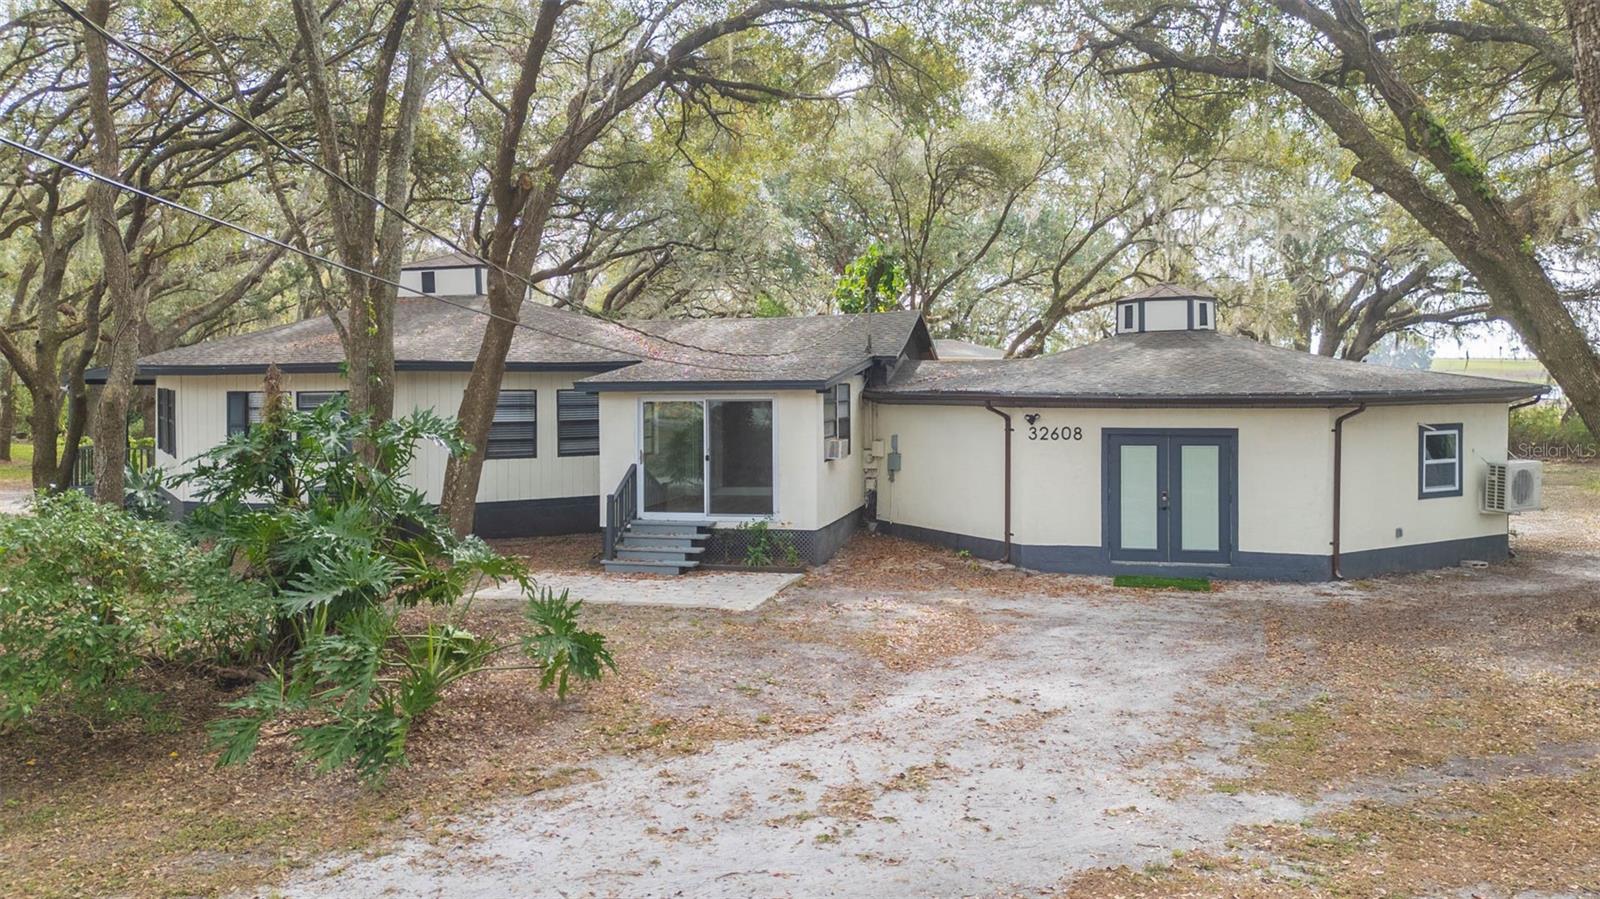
[811, 493]
[203, 420]
[1380, 485]
[952, 474]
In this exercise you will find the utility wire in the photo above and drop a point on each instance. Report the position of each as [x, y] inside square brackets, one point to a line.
[221, 222]
[302, 158]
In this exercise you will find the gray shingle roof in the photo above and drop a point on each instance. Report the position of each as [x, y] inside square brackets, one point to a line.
[435, 335]
[444, 260]
[800, 351]
[1167, 290]
[1184, 368]
[427, 334]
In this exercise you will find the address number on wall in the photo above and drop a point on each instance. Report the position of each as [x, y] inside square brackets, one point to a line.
[1047, 432]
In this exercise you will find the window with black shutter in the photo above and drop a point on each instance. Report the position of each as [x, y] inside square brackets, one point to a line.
[167, 421]
[244, 410]
[577, 423]
[514, 433]
[308, 400]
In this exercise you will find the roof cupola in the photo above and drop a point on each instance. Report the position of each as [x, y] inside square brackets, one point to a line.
[1167, 307]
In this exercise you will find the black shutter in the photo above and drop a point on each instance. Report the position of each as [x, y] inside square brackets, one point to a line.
[577, 423]
[514, 432]
[428, 285]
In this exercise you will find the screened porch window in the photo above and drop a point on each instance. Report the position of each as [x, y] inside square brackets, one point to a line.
[1440, 452]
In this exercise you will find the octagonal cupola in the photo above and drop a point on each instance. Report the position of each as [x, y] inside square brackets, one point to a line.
[1167, 307]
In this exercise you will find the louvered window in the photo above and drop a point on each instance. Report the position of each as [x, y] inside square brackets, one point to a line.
[514, 433]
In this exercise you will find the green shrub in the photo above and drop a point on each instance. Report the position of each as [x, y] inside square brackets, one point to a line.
[315, 507]
[1549, 429]
[90, 594]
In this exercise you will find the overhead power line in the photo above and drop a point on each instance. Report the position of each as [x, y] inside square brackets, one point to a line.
[248, 232]
[342, 181]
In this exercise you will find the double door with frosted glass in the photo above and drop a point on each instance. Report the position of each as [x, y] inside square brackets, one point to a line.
[1170, 496]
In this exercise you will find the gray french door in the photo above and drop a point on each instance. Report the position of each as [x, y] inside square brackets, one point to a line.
[1170, 496]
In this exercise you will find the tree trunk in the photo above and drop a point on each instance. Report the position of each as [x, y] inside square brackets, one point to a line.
[462, 474]
[111, 414]
[8, 409]
[1583, 20]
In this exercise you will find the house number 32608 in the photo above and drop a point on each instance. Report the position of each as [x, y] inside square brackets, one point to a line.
[1045, 432]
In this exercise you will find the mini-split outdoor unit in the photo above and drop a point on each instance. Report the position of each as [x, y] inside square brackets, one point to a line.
[1514, 487]
[835, 448]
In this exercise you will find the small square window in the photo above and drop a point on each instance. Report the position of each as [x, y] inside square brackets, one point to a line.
[1128, 312]
[1204, 313]
[1439, 456]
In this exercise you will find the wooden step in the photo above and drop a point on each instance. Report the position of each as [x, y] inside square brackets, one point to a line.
[666, 528]
[659, 541]
[635, 566]
[643, 554]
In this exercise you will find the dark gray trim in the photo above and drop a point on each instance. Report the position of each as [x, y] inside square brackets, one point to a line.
[1424, 556]
[537, 517]
[1141, 316]
[686, 386]
[1135, 401]
[477, 279]
[257, 368]
[1461, 460]
[1190, 304]
[439, 268]
[1304, 567]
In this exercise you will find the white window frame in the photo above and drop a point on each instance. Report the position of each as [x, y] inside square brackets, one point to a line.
[1454, 488]
[831, 419]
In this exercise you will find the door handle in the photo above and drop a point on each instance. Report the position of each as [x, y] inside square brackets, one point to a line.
[1163, 499]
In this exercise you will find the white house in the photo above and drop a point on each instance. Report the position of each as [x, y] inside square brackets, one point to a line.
[1168, 448]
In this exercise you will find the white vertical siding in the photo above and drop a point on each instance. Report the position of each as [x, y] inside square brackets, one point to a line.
[202, 419]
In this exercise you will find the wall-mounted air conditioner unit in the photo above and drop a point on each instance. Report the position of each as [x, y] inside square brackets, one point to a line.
[1514, 487]
[835, 448]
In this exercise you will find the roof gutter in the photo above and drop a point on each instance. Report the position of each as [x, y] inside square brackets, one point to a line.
[1256, 401]
[1006, 558]
[1338, 466]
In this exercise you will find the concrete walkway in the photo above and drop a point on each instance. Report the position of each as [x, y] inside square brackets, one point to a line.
[732, 591]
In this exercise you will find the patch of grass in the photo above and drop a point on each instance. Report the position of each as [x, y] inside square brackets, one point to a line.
[1152, 582]
[1512, 369]
[18, 473]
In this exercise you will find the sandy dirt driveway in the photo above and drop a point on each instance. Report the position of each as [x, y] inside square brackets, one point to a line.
[994, 773]
[1018, 734]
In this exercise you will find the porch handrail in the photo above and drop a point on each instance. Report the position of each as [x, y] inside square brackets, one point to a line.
[622, 507]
